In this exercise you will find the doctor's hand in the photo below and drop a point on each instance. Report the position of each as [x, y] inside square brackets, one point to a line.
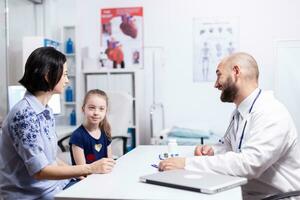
[102, 166]
[204, 150]
[172, 163]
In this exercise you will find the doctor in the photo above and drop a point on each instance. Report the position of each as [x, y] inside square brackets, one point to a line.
[261, 141]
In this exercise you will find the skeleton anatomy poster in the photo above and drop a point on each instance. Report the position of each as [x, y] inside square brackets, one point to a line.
[213, 39]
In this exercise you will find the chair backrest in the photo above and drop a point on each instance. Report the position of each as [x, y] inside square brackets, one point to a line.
[119, 116]
[120, 105]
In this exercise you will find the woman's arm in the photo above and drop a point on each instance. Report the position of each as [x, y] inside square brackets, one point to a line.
[55, 172]
[60, 171]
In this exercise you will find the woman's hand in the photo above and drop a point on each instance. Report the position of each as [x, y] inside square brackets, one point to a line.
[102, 166]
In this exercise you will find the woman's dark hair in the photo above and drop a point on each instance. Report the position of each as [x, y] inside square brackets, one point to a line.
[43, 69]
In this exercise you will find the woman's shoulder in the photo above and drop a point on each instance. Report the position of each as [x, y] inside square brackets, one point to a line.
[20, 120]
[21, 111]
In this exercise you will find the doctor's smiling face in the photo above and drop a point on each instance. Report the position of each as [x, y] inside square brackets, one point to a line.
[225, 82]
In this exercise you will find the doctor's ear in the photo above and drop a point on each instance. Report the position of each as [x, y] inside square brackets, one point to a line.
[236, 70]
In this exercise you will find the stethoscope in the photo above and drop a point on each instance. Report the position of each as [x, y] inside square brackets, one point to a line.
[243, 132]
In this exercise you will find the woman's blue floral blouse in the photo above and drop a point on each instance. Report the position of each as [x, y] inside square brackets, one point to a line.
[28, 143]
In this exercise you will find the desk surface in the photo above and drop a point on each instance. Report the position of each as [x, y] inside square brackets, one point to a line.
[123, 181]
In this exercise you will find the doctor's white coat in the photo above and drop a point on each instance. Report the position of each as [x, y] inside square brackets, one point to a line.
[269, 155]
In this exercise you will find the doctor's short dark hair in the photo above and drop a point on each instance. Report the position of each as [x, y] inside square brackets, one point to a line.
[43, 69]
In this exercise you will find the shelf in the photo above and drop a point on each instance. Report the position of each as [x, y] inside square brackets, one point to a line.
[70, 54]
[92, 65]
[71, 103]
[108, 71]
[68, 32]
[69, 27]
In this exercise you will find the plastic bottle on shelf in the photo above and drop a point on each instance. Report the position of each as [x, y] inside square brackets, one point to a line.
[69, 46]
[172, 147]
[73, 118]
[69, 94]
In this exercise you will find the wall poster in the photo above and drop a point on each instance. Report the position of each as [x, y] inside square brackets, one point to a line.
[122, 36]
[213, 40]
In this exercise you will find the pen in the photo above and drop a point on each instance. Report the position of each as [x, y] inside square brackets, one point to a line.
[154, 165]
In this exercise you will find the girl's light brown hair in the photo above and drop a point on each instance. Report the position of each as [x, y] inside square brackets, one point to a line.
[104, 124]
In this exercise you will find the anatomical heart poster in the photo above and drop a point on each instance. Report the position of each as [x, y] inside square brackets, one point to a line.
[122, 36]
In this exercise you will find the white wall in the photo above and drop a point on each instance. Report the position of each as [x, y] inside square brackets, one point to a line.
[58, 13]
[168, 24]
[23, 19]
[287, 88]
[18, 28]
[3, 75]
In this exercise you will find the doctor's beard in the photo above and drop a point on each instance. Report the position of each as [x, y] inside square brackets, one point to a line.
[229, 92]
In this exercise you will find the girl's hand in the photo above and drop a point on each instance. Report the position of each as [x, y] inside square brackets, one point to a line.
[102, 166]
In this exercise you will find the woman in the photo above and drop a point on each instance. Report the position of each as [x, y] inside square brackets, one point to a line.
[28, 144]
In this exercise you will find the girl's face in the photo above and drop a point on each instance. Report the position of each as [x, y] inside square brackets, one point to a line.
[95, 109]
[59, 88]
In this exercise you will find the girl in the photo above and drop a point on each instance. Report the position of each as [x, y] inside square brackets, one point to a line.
[28, 143]
[91, 141]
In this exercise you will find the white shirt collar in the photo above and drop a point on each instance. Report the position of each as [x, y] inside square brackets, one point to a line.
[245, 105]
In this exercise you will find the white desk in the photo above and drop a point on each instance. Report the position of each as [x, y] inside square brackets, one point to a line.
[123, 181]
